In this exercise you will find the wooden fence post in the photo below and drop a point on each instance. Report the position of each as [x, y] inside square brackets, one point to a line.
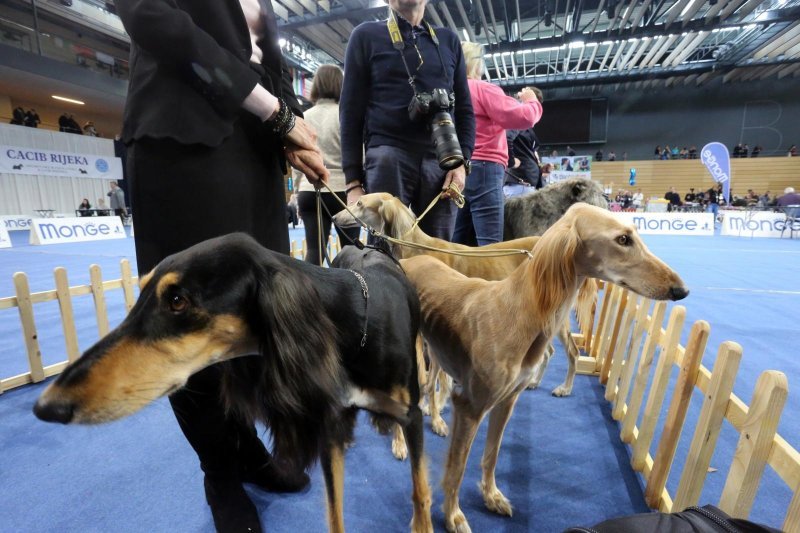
[708, 425]
[96, 279]
[624, 294]
[630, 360]
[127, 284]
[601, 322]
[25, 307]
[676, 416]
[617, 355]
[643, 372]
[658, 388]
[755, 444]
[67, 315]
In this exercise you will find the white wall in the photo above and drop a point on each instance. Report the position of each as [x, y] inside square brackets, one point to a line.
[22, 194]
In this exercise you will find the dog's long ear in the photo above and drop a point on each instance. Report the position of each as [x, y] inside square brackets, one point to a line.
[396, 217]
[578, 189]
[300, 372]
[554, 266]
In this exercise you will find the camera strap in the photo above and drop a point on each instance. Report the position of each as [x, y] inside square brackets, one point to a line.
[400, 45]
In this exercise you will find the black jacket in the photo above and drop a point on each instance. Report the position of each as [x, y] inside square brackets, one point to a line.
[522, 145]
[190, 68]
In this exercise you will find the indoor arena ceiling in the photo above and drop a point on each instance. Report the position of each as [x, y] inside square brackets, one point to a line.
[552, 43]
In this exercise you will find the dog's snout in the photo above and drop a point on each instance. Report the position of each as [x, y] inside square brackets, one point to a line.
[54, 411]
[678, 292]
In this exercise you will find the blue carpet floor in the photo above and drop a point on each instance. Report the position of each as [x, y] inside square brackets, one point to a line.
[560, 463]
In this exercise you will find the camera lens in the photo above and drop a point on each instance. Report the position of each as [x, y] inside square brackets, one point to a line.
[445, 141]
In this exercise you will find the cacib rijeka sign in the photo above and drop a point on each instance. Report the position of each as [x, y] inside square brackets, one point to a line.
[37, 162]
[715, 157]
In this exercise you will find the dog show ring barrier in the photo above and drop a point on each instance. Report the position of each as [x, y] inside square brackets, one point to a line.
[620, 343]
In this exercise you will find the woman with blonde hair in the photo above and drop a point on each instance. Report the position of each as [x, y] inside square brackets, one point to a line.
[326, 89]
[481, 220]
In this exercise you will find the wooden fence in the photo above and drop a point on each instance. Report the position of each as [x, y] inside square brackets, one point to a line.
[621, 343]
[24, 301]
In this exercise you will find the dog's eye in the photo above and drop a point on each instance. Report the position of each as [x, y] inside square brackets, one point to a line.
[178, 304]
[624, 240]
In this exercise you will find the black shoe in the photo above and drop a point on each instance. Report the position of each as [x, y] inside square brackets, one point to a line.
[231, 507]
[275, 477]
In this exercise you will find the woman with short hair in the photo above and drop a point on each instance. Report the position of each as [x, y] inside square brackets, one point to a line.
[326, 89]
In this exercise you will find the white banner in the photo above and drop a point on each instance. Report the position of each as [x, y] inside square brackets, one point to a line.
[671, 223]
[753, 223]
[565, 167]
[37, 162]
[15, 222]
[5, 239]
[76, 229]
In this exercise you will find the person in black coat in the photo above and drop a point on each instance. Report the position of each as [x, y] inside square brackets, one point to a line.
[210, 120]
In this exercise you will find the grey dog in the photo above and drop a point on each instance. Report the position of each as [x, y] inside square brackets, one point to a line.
[531, 214]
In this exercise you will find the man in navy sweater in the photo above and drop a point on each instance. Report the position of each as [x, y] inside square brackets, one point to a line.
[383, 150]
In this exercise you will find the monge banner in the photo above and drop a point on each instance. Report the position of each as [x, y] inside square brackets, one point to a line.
[16, 222]
[755, 224]
[5, 240]
[36, 162]
[718, 162]
[75, 229]
[670, 223]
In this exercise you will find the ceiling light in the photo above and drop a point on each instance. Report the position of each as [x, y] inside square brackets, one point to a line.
[70, 100]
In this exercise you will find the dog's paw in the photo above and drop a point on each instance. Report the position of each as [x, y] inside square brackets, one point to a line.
[562, 391]
[533, 384]
[399, 449]
[496, 502]
[425, 408]
[457, 523]
[439, 426]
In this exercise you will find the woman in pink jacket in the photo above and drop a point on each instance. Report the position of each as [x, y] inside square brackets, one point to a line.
[480, 221]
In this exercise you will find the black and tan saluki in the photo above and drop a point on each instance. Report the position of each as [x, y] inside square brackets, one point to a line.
[327, 342]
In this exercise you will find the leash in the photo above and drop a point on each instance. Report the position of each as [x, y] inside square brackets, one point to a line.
[409, 244]
[365, 292]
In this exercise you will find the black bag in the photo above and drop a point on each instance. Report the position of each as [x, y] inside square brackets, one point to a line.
[707, 519]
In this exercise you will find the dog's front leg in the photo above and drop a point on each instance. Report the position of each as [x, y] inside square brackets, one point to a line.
[498, 418]
[333, 468]
[421, 520]
[465, 426]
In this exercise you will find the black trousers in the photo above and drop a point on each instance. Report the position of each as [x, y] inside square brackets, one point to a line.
[184, 194]
[307, 205]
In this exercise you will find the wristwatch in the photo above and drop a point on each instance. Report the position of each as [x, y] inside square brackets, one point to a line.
[467, 166]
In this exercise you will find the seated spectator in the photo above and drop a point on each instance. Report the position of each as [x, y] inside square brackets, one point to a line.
[612, 155]
[752, 197]
[792, 151]
[789, 198]
[598, 156]
[18, 116]
[665, 154]
[674, 199]
[101, 208]
[85, 208]
[32, 119]
[756, 150]
[554, 153]
[690, 197]
[89, 129]
[657, 152]
[684, 153]
[745, 151]
[570, 151]
[737, 150]
[675, 152]
[764, 200]
[637, 199]
[693, 152]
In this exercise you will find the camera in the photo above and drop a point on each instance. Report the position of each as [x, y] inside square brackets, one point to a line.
[435, 107]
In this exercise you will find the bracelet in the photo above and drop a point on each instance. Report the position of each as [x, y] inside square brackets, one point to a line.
[359, 186]
[284, 121]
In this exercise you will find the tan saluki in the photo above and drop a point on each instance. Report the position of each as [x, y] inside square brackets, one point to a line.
[388, 214]
[490, 335]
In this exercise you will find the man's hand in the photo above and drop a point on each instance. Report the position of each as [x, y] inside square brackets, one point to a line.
[309, 162]
[457, 177]
[302, 136]
[354, 194]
